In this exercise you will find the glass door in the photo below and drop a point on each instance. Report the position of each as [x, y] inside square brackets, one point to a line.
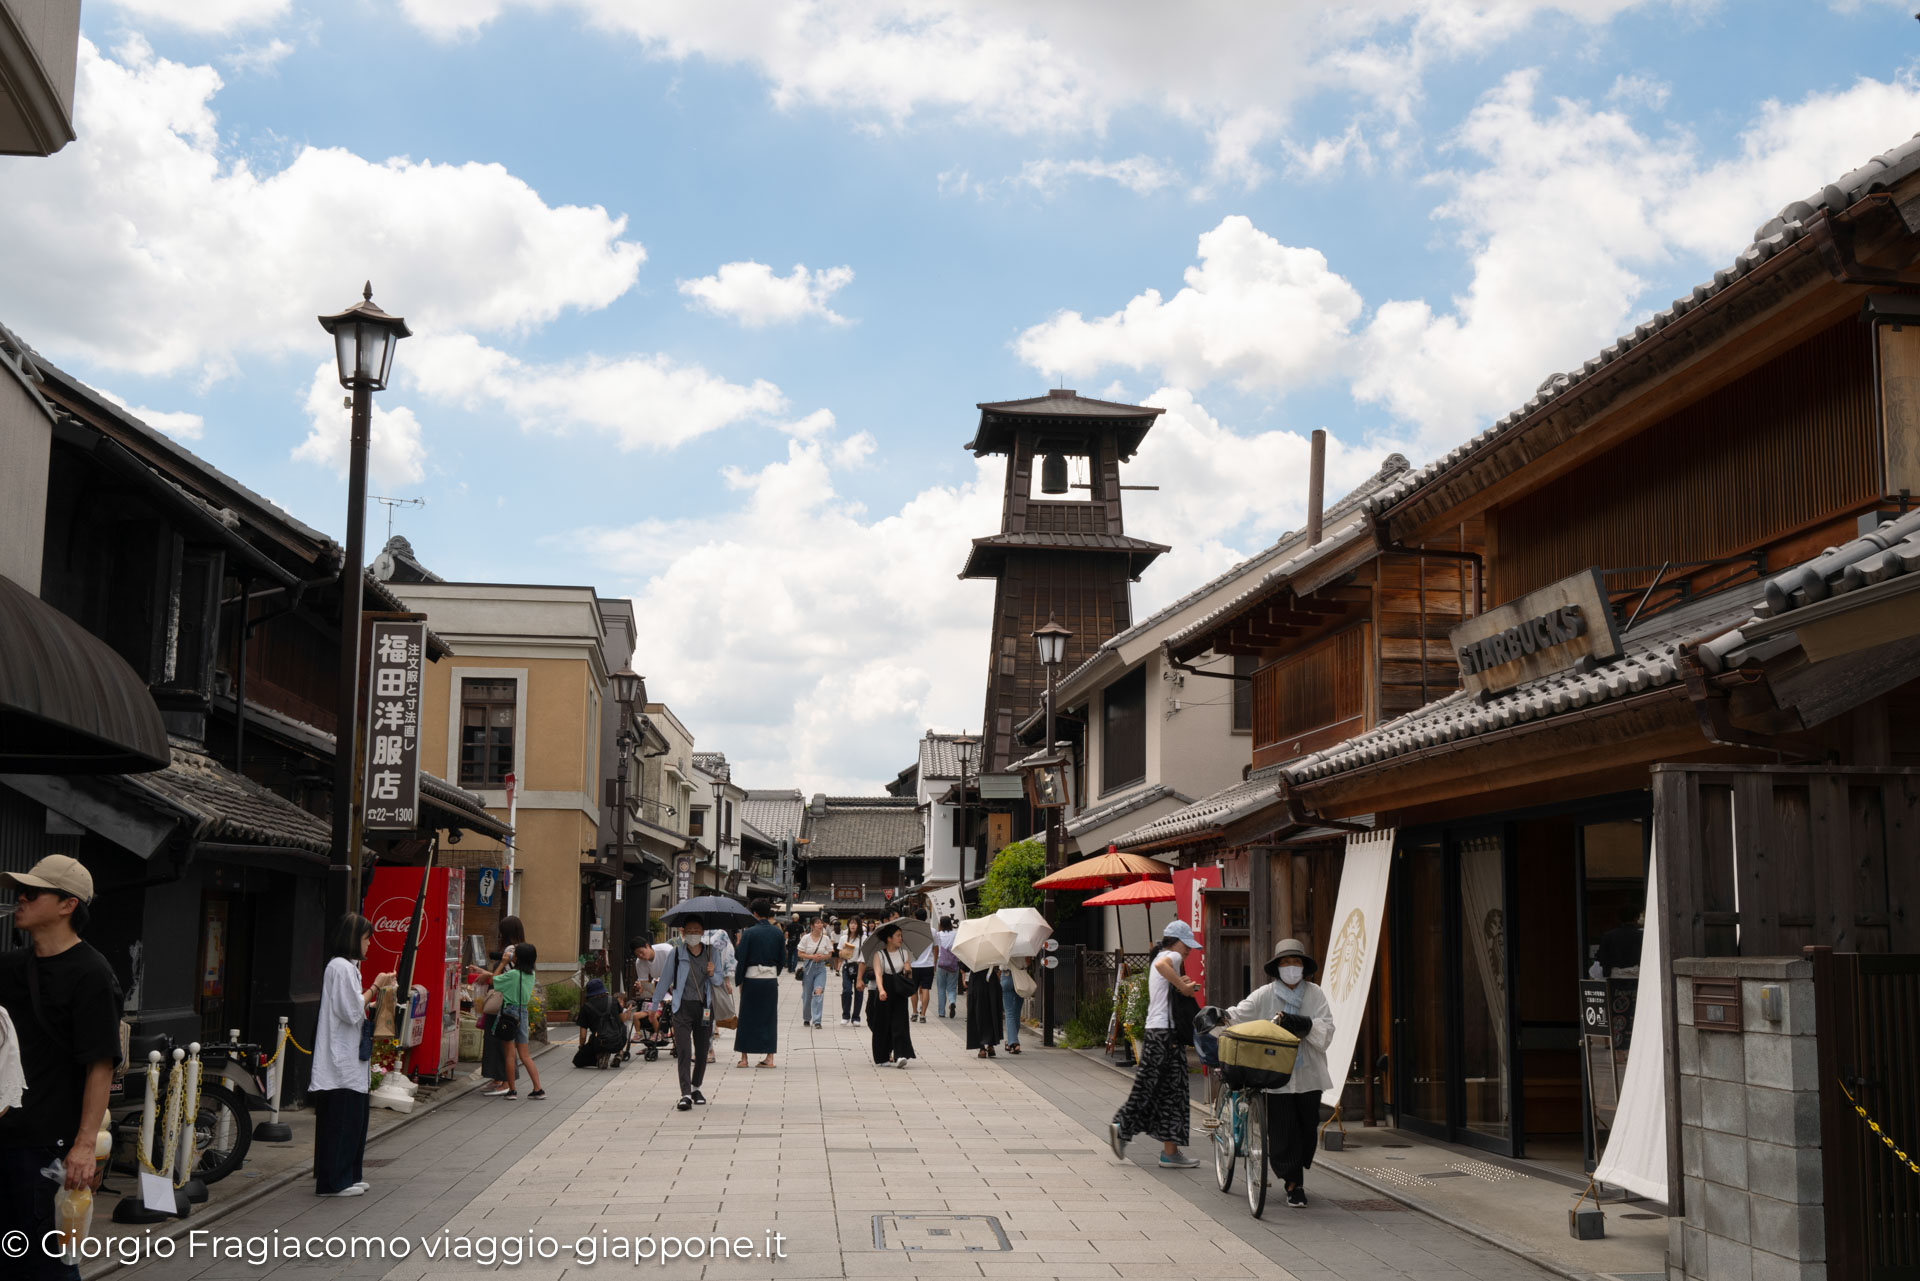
[1421, 1059]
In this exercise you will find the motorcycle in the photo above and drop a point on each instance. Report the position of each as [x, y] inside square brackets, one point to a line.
[232, 1073]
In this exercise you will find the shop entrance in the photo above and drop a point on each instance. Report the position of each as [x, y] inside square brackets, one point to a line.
[1496, 924]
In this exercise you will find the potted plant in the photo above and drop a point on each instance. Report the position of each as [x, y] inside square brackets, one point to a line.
[562, 999]
[1135, 1005]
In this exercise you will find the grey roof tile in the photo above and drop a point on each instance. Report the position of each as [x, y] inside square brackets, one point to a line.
[1105, 814]
[775, 812]
[864, 827]
[1208, 816]
[231, 808]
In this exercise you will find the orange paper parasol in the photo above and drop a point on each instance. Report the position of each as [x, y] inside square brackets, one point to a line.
[1138, 892]
[1102, 870]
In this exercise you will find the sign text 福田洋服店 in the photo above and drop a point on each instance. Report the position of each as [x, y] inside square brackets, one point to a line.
[393, 727]
[1557, 628]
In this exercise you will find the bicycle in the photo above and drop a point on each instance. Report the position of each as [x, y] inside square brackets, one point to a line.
[1239, 1121]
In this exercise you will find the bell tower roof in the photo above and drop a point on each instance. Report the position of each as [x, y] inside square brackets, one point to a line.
[1080, 421]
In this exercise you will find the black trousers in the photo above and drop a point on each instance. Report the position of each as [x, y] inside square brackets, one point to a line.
[850, 996]
[26, 1207]
[892, 1020]
[1293, 1125]
[339, 1138]
[692, 1034]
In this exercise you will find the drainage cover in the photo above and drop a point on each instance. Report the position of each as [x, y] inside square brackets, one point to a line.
[1445, 1174]
[939, 1233]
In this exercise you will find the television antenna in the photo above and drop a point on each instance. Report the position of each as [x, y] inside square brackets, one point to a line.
[391, 503]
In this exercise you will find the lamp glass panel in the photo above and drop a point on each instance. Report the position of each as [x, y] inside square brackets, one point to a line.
[372, 340]
[344, 339]
[389, 340]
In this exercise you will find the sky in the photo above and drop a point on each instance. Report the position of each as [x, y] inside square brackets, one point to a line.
[704, 295]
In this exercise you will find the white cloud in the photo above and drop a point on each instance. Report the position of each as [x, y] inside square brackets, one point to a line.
[206, 17]
[177, 423]
[642, 401]
[1142, 175]
[1263, 314]
[259, 59]
[151, 218]
[750, 293]
[1637, 90]
[1235, 73]
[395, 452]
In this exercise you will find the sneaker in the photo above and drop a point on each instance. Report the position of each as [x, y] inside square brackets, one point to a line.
[497, 1092]
[1297, 1197]
[358, 1189]
[1181, 1161]
[698, 1097]
[362, 1184]
[538, 1094]
[1114, 1140]
[901, 1064]
[685, 1104]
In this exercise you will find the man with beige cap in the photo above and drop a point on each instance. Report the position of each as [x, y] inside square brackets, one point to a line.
[65, 1005]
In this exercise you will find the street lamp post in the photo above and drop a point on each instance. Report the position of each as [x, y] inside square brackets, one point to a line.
[1051, 641]
[628, 689]
[363, 338]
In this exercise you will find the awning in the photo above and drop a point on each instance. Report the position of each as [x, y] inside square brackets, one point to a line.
[454, 807]
[68, 703]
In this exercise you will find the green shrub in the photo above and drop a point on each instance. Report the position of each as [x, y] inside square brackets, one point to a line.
[1088, 1026]
[1009, 881]
[563, 996]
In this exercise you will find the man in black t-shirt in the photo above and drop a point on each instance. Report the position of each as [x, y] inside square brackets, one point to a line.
[64, 1003]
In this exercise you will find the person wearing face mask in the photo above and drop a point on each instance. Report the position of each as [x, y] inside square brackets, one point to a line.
[1293, 1111]
[690, 980]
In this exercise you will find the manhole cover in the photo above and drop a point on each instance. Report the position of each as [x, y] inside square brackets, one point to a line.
[939, 1233]
[1378, 1205]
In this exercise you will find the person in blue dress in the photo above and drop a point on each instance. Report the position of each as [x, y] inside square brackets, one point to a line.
[759, 961]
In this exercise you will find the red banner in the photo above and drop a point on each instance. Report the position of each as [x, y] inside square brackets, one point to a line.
[1188, 882]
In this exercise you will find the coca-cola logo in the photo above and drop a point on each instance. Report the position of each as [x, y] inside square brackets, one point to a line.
[390, 922]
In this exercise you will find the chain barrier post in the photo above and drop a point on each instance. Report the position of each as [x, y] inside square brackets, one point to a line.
[276, 1130]
[187, 1176]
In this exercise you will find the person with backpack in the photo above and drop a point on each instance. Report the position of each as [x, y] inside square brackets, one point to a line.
[603, 1033]
[510, 1025]
[64, 1002]
[1293, 1110]
[1158, 1103]
[695, 971]
[946, 970]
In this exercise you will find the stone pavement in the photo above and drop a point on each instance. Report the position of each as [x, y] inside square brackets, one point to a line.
[992, 1168]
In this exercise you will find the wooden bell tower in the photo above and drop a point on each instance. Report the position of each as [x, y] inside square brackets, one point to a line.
[1056, 555]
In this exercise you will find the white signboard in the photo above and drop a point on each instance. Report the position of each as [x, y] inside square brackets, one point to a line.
[1346, 973]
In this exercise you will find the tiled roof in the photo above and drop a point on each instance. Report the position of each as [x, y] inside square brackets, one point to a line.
[230, 808]
[1125, 805]
[939, 756]
[864, 827]
[989, 554]
[713, 764]
[1061, 401]
[1205, 817]
[1273, 580]
[777, 813]
[461, 805]
[1000, 420]
[1650, 659]
[1778, 232]
[748, 829]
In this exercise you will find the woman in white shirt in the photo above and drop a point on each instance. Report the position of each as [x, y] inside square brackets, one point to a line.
[338, 1086]
[816, 950]
[890, 1010]
[1158, 1104]
[1293, 1110]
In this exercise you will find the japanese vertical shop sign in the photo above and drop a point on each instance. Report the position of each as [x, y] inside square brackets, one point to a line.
[393, 727]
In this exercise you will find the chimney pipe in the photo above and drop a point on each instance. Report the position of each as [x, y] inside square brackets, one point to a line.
[1316, 486]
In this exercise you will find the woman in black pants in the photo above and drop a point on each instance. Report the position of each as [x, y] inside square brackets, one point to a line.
[852, 982]
[890, 1010]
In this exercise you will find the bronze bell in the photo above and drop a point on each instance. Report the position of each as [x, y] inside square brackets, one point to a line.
[1053, 474]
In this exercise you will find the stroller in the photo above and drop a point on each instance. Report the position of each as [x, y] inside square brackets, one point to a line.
[651, 1041]
[603, 1041]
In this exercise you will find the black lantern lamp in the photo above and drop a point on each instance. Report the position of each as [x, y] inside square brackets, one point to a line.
[629, 688]
[363, 341]
[1050, 640]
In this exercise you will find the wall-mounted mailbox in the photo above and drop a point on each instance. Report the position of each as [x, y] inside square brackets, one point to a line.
[1716, 1005]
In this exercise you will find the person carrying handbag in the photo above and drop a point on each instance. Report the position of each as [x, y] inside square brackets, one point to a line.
[1016, 985]
[511, 1024]
[890, 1012]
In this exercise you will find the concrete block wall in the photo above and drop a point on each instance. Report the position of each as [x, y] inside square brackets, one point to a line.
[1749, 1130]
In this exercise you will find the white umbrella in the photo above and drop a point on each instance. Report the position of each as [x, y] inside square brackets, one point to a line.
[983, 942]
[1030, 929]
[915, 938]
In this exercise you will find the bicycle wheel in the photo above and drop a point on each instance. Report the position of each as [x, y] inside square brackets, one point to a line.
[1256, 1154]
[221, 1135]
[1225, 1124]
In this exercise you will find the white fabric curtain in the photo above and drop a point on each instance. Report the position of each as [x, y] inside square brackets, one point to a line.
[1483, 927]
[1346, 972]
[1636, 1153]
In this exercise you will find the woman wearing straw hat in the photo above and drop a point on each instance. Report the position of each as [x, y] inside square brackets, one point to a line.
[1293, 1110]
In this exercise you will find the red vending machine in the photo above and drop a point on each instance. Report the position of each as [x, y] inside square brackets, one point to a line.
[436, 961]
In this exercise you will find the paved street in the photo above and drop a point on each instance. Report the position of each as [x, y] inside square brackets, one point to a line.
[815, 1150]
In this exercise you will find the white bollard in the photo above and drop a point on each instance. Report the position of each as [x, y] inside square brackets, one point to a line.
[189, 1091]
[150, 1109]
[274, 1130]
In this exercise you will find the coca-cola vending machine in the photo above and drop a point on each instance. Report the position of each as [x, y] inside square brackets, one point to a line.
[436, 961]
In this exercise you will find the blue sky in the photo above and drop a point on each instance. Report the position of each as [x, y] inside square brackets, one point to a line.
[1389, 219]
